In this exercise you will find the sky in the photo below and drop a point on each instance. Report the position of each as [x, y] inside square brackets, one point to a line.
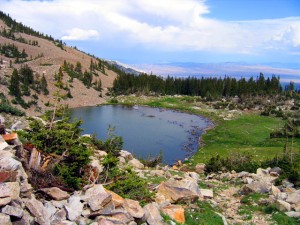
[167, 31]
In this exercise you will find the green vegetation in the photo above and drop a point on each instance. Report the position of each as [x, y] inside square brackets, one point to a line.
[62, 139]
[249, 133]
[204, 213]
[12, 51]
[6, 107]
[22, 82]
[210, 88]
[254, 202]
[86, 77]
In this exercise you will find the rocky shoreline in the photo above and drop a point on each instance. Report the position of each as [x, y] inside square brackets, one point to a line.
[175, 195]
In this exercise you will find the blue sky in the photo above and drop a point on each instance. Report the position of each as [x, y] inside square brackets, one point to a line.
[155, 31]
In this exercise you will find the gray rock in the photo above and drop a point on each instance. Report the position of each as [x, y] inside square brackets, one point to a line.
[206, 193]
[5, 219]
[97, 197]
[9, 164]
[136, 164]
[262, 172]
[297, 207]
[159, 173]
[74, 208]
[58, 217]
[59, 204]
[5, 201]
[121, 160]
[126, 155]
[276, 170]
[249, 180]
[12, 211]
[282, 206]
[192, 175]
[10, 189]
[242, 174]
[287, 184]
[38, 210]
[179, 190]
[133, 208]
[275, 191]
[103, 221]
[293, 214]
[122, 216]
[258, 186]
[55, 193]
[152, 214]
[293, 198]
[50, 208]
[95, 164]
[200, 168]
[3, 145]
[26, 219]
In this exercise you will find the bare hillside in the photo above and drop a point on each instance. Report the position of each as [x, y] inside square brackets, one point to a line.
[45, 57]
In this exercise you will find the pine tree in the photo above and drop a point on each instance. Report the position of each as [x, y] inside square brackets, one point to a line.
[44, 85]
[14, 86]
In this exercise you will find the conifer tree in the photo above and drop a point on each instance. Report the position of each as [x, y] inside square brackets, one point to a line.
[14, 86]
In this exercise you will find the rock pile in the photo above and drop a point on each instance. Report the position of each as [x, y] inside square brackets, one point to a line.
[20, 204]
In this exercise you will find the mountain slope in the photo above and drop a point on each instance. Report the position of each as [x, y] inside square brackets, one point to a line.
[45, 57]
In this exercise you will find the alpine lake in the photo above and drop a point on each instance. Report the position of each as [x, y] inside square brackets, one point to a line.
[146, 131]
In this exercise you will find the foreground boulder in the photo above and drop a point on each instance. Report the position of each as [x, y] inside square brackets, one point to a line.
[179, 190]
[97, 197]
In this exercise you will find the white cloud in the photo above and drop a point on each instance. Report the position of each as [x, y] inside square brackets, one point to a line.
[80, 34]
[156, 24]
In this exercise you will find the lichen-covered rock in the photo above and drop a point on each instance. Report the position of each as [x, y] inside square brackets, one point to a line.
[118, 201]
[175, 212]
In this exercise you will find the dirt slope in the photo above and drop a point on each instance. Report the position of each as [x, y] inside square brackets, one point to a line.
[47, 59]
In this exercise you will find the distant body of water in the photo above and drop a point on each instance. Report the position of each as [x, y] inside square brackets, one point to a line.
[146, 131]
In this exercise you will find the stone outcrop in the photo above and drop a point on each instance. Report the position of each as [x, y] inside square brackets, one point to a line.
[95, 205]
[179, 190]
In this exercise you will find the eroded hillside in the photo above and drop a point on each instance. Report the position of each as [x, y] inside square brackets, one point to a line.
[46, 57]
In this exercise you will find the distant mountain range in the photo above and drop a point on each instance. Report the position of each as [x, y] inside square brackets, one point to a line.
[232, 69]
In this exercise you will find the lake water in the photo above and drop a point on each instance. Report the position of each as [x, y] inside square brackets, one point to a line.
[146, 131]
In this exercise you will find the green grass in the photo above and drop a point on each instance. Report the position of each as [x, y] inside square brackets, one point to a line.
[248, 133]
[202, 215]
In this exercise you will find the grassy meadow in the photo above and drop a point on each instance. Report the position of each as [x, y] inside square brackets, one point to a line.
[234, 131]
